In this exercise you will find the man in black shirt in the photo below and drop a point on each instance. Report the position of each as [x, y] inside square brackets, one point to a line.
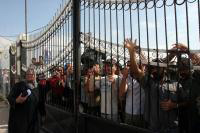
[24, 106]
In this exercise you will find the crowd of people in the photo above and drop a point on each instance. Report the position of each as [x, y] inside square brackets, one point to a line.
[159, 98]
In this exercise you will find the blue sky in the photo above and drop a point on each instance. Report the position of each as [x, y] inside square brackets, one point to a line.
[193, 25]
[40, 12]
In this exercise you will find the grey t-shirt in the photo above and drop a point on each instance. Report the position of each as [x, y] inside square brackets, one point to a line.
[158, 119]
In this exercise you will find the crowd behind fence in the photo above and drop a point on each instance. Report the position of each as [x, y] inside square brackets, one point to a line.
[151, 82]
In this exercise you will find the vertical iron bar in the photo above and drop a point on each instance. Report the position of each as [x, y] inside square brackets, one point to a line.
[104, 14]
[199, 17]
[99, 12]
[166, 43]
[124, 36]
[84, 42]
[147, 32]
[157, 56]
[188, 52]
[94, 42]
[117, 28]
[111, 58]
[76, 55]
[176, 30]
[90, 37]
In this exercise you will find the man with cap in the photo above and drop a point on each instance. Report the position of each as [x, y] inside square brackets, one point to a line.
[160, 109]
[189, 116]
[24, 106]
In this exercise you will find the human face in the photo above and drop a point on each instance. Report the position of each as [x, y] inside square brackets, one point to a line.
[61, 71]
[158, 73]
[110, 69]
[90, 72]
[33, 60]
[58, 73]
[41, 58]
[97, 69]
[30, 77]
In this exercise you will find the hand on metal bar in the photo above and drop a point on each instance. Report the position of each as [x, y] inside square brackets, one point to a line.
[168, 105]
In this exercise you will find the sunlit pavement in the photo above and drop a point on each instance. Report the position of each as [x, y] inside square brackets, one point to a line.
[3, 129]
[4, 111]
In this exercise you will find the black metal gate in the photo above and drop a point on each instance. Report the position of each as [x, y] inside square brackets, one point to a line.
[122, 65]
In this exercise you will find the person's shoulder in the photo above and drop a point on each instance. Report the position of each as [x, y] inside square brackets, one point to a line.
[20, 83]
[103, 80]
[196, 77]
[117, 76]
[146, 81]
[18, 86]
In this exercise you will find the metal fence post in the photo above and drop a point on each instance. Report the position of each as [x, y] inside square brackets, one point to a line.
[76, 56]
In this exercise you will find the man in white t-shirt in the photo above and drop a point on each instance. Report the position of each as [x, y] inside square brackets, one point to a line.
[109, 91]
[134, 108]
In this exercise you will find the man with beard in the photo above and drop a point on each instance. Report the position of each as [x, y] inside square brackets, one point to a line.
[161, 96]
[24, 106]
[189, 116]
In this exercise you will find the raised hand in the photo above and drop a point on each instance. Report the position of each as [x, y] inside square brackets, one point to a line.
[90, 73]
[180, 47]
[130, 45]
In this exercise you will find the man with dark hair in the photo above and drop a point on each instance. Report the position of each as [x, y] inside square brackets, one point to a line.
[134, 95]
[56, 84]
[24, 102]
[41, 61]
[92, 89]
[33, 63]
[33, 60]
[189, 116]
[161, 96]
[109, 86]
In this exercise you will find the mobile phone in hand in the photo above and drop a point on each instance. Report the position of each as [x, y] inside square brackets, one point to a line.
[26, 93]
